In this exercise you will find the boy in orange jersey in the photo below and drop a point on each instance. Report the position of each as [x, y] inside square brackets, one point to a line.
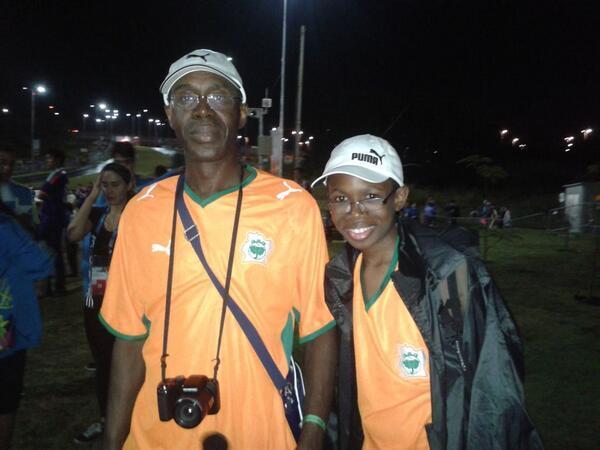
[428, 353]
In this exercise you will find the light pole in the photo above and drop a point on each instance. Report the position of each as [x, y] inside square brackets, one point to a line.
[277, 143]
[39, 89]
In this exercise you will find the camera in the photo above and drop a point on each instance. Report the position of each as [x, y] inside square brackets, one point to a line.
[187, 400]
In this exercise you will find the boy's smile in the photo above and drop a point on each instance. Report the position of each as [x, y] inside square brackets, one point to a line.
[365, 213]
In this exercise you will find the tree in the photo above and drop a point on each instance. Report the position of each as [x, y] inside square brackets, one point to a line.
[485, 168]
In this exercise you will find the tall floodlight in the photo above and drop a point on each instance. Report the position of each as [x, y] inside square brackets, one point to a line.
[35, 91]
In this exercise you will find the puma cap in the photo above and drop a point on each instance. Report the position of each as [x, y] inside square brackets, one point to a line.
[367, 157]
[202, 61]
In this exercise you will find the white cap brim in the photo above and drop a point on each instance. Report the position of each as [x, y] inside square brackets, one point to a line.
[370, 176]
[169, 82]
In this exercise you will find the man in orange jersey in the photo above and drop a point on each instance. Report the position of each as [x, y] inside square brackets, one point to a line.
[428, 353]
[264, 253]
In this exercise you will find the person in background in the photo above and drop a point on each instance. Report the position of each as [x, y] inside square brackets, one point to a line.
[115, 183]
[22, 263]
[159, 171]
[54, 215]
[124, 153]
[505, 217]
[429, 355]
[429, 213]
[452, 212]
[412, 212]
[72, 248]
[16, 197]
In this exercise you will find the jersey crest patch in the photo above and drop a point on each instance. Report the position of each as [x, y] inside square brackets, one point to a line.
[256, 248]
[411, 362]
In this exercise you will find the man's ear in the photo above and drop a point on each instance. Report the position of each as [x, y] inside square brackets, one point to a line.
[169, 112]
[243, 116]
[400, 197]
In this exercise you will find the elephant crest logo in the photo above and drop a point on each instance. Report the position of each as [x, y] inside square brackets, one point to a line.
[412, 362]
[256, 248]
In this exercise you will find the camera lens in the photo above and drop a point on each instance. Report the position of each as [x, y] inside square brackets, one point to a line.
[188, 412]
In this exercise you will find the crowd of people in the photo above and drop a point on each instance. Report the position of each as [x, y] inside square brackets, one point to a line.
[487, 215]
[198, 283]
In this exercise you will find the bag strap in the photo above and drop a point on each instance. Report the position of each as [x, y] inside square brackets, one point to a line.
[193, 237]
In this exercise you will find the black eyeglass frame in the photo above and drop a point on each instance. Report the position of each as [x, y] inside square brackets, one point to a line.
[362, 208]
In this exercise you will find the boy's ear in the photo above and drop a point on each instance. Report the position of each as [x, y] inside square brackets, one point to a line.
[400, 197]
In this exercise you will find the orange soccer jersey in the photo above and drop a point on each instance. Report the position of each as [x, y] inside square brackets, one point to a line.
[277, 280]
[392, 369]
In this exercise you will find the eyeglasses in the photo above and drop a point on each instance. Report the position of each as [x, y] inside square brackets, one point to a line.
[366, 205]
[189, 101]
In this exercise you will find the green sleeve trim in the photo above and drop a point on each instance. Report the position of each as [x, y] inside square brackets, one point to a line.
[316, 334]
[126, 337]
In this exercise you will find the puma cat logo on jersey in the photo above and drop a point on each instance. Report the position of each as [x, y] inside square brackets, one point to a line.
[287, 192]
[158, 248]
[148, 193]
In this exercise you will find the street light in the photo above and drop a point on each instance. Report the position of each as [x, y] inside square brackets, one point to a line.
[85, 116]
[39, 89]
[503, 133]
[514, 141]
[5, 111]
[586, 132]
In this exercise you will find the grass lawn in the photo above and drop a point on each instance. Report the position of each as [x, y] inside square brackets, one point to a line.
[536, 275]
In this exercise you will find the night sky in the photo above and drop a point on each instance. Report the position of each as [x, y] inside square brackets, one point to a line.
[430, 75]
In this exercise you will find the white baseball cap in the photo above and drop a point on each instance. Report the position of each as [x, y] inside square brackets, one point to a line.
[202, 60]
[367, 157]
